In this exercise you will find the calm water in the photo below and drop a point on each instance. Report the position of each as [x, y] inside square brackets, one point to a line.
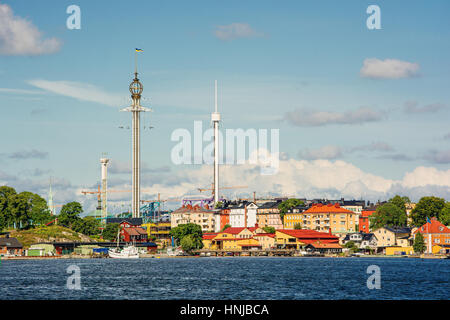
[226, 278]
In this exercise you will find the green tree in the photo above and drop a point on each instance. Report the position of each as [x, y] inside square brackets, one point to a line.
[110, 231]
[225, 227]
[287, 205]
[427, 207]
[297, 226]
[194, 231]
[444, 216]
[219, 205]
[400, 202]
[388, 215]
[419, 243]
[88, 226]
[6, 217]
[188, 243]
[70, 213]
[269, 229]
[27, 207]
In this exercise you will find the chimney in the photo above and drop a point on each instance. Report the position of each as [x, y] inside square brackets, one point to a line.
[245, 216]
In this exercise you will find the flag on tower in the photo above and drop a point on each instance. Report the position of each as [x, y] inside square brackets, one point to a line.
[139, 50]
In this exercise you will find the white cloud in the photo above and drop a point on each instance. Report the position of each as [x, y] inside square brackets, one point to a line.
[310, 118]
[235, 30]
[388, 69]
[19, 36]
[78, 90]
[301, 178]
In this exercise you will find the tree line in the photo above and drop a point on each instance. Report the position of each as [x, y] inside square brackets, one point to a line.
[26, 210]
[393, 212]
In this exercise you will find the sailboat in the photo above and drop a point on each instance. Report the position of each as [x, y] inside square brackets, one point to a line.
[128, 252]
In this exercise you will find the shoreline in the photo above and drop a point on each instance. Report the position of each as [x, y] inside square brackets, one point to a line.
[164, 256]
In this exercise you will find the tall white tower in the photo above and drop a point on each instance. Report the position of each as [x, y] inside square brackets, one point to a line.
[136, 89]
[50, 205]
[215, 118]
[104, 164]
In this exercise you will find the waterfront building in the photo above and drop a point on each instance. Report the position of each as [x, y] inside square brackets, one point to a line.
[41, 249]
[207, 240]
[202, 216]
[158, 230]
[224, 218]
[293, 217]
[266, 240]
[330, 217]
[434, 234]
[268, 215]
[392, 237]
[364, 220]
[243, 214]
[134, 234]
[232, 238]
[298, 239]
[398, 251]
[361, 240]
[10, 246]
[323, 248]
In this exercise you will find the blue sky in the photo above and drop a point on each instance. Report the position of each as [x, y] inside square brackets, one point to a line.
[295, 58]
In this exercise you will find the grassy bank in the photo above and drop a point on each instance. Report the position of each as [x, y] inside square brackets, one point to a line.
[48, 234]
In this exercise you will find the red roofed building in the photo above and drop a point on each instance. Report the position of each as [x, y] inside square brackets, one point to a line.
[434, 234]
[329, 217]
[324, 248]
[297, 239]
[134, 234]
[364, 223]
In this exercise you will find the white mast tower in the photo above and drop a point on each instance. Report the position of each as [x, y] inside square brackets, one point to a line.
[215, 118]
[136, 89]
[104, 164]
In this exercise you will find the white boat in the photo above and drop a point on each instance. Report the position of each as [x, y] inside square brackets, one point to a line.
[129, 252]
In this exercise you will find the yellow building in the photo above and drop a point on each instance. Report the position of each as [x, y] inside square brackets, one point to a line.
[267, 240]
[393, 237]
[394, 251]
[291, 219]
[159, 230]
[205, 218]
[233, 239]
[328, 217]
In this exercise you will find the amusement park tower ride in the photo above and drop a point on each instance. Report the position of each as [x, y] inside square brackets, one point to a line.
[136, 89]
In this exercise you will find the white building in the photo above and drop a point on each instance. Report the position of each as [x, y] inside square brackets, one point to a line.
[243, 214]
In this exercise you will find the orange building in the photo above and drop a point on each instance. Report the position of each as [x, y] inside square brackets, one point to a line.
[224, 217]
[329, 217]
[436, 232]
[364, 223]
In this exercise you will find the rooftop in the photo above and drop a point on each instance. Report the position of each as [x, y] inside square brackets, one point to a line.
[329, 208]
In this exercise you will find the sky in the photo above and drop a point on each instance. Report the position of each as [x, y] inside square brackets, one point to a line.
[361, 113]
